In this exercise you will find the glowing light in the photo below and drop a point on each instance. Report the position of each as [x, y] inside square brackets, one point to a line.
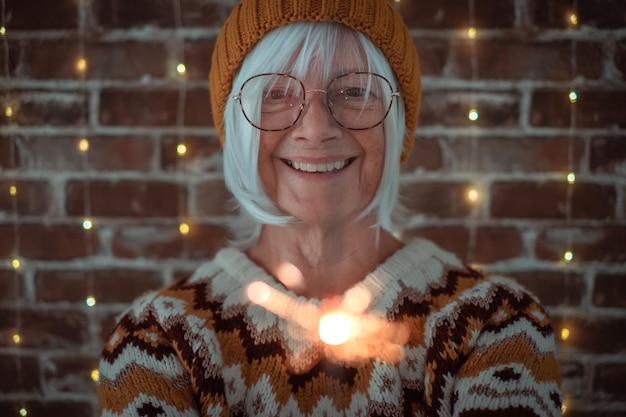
[83, 145]
[181, 68]
[473, 115]
[573, 97]
[563, 408]
[23, 412]
[565, 333]
[81, 65]
[571, 178]
[3, 31]
[17, 339]
[258, 292]
[573, 19]
[181, 149]
[95, 375]
[471, 33]
[472, 195]
[568, 256]
[13, 190]
[334, 328]
[15, 263]
[183, 228]
[90, 301]
[87, 224]
[8, 111]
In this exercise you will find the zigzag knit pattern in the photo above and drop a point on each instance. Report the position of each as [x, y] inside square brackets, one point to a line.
[448, 342]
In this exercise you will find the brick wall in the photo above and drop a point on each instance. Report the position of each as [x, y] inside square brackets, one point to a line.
[134, 109]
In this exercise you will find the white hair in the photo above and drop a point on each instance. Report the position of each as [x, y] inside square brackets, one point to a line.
[294, 49]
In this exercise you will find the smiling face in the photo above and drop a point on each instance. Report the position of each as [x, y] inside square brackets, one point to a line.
[318, 171]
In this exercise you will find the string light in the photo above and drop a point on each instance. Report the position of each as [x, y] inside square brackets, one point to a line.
[3, 31]
[183, 228]
[8, 111]
[17, 338]
[568, 256]
[334, 328]
[472, 195]
[23, 412]
[81, 65]
[571, 178]
[15, 263]
[83, 145]
[90, 301]
[181, 69]
[181, 149]
[565, 333]
[573, 97]
[472, 115]
[573, 19]
[13, 190]
[87, 224]
[471, 33]
[95, 375]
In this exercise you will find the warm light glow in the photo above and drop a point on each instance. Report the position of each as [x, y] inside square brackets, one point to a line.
[181, 68]
[83, 145]
[15, 263]
[472, 195]
[563, 408]
[87, 224]
[95, 375]
[573, 96]
[183, 228]
[571, 178]
[568, 256]
[23, 412]
[13, 190]
[334, 328]
[181, 149]
[17, 339]
[8, 111]
[90, 301]
[258, 292]
[573, 19]
[473, 115]
[81, 64]
[3, 31]
[565, 333]
[471, 33]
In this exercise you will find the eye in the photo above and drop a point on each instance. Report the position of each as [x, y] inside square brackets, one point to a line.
[355, 92]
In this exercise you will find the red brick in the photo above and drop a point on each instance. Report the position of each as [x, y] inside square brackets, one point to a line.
[524, 60]
[19, 367]
[553, 288]
[153, 107]
[32, 198]
[496, 244]
[45, 329]
[59, 242]
[433, 55]
[38, 15]
[212, 199]
[515, 154]
[574, 382]
[549, 200]
[592, 334]
[10, 59]
[203, 154]
[620, 57]
[104, 285]
[49, 408]
[45, 108]
[451, 108]
[138, 13]
[595, 13]
[126, 198]
[455, 13]
[197, 57]
[436, 199]
[426, 155]
[161, 241]
[451, 238]
[608, 155]
[7, 243]
[11, 286]
[593, 109]
[8, 152]
[71, 373]
[589, 244]
[609, 290]
[608, 381]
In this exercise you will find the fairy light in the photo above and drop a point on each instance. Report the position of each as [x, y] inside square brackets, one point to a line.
[95, 375]
[565, 333]
[473, 195]
[17, 338]
[87, 224]
[3, 31]
[8, 111]
[334, 328]
[181, 149]
[181, 69]
[81, 65]
[573, 97]
[568, 256]
[23, 412]
[83, 145]
[15, 263]
[573, 19]
[571, 178]
[471, 33]
[473, 115]
[183, 228]
[12, 190]
[90, 301]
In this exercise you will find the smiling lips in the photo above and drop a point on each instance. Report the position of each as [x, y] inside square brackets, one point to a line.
[322, 168]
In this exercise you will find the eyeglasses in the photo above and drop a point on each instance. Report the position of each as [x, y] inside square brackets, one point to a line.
[356, 100]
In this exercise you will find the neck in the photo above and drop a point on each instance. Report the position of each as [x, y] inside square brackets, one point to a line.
[321, 262]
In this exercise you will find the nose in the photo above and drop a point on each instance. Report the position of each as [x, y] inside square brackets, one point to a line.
[316, 123]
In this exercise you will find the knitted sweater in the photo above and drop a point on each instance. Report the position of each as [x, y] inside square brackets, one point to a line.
[432, 338]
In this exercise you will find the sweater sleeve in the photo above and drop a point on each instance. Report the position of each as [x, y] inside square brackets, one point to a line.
[498, 357]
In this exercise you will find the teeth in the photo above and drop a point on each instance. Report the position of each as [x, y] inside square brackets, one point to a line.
[329, 167]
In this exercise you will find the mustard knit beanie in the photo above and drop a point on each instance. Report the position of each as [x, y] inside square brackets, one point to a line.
[252, 19]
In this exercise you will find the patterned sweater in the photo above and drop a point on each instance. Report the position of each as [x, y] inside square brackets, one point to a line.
[422, 335]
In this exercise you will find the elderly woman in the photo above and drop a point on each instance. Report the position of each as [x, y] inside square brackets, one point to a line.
[317, 308]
